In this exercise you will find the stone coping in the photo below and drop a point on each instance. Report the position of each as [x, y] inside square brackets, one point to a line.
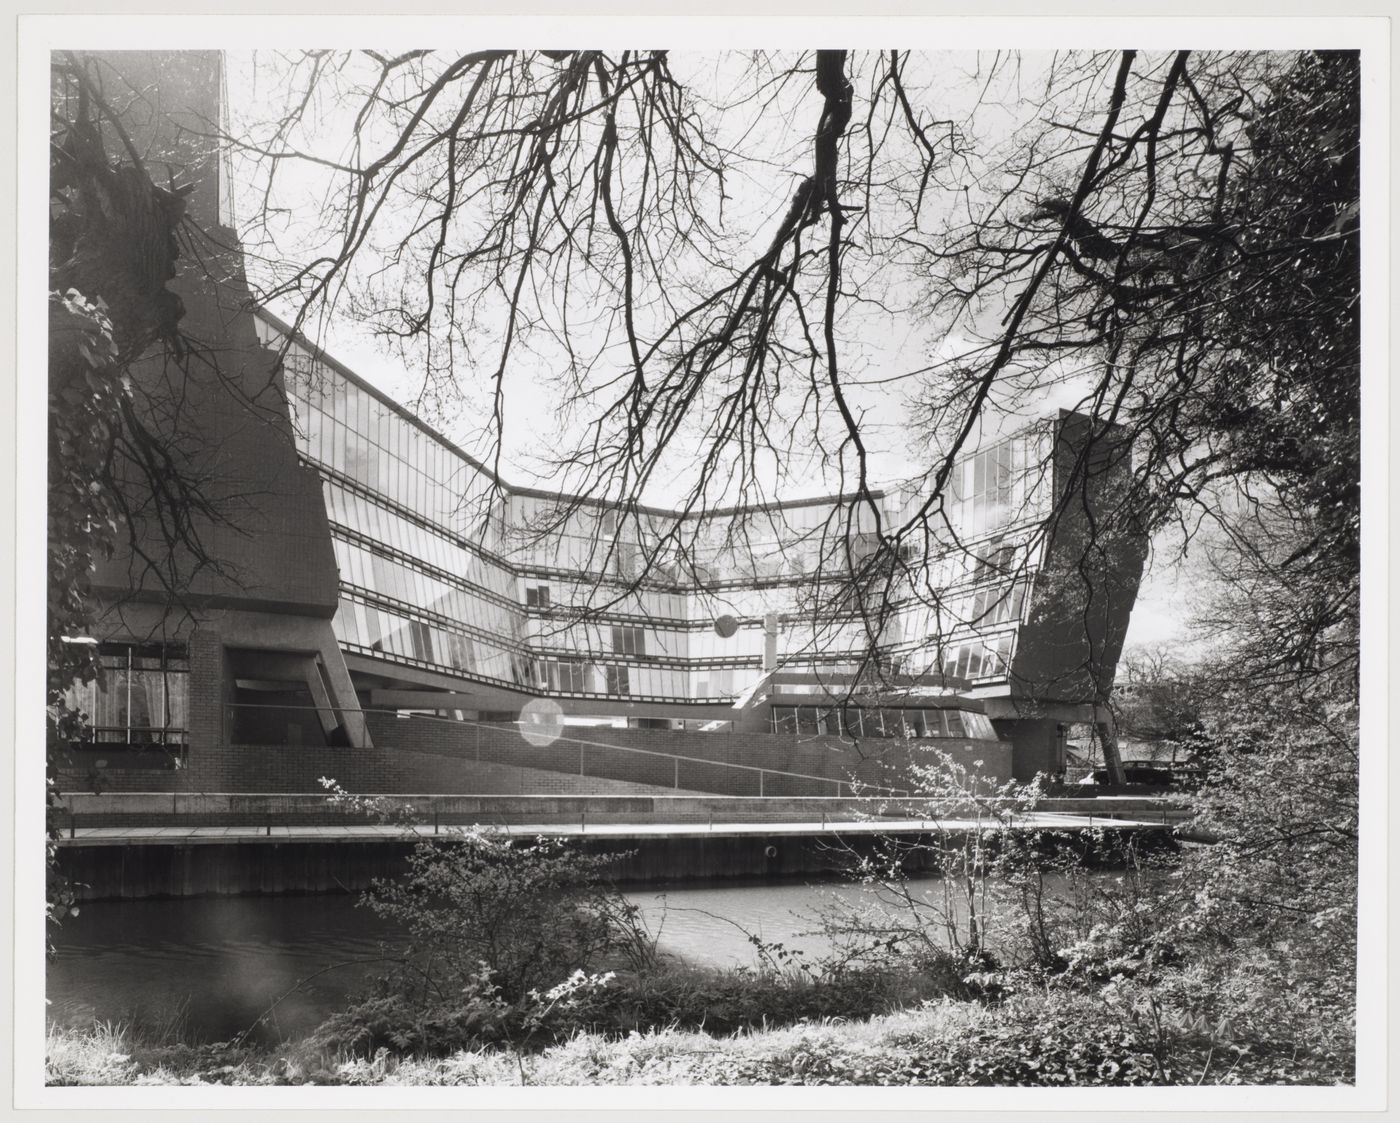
[195, 835]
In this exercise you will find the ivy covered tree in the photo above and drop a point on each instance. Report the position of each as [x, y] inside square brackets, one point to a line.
[1287, 317]
[114, 240]
[1206, 263]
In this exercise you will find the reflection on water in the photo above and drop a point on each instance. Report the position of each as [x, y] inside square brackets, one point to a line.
[220, 961]
[224, 961]
[711, 924]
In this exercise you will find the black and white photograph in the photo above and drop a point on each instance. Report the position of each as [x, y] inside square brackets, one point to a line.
[677, 564]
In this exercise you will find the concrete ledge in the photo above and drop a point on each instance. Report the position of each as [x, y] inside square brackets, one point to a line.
[133, 863]
[190, 835]
[178, 811]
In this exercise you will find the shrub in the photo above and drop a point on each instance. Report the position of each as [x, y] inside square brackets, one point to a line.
[500, 941]
[526, 915]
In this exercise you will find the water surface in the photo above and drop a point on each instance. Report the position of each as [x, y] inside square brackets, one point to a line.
[220, 963]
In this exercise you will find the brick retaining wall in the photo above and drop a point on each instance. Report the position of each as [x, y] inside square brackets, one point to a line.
[418, 754]
[306, 809]
[605, 752]
[299, 770]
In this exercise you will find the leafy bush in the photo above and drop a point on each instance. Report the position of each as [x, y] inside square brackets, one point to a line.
[501, 939]
[737, 1000]
[479, 1016]
[668, 995]
[526, 915]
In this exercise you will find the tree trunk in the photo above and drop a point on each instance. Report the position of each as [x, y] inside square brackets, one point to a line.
[1108, 738]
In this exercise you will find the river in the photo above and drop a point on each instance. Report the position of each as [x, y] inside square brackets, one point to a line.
[218, 963]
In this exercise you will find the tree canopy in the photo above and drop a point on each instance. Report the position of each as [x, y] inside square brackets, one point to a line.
[702, 256]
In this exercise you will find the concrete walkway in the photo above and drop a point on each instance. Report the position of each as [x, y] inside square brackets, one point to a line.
[185, 836]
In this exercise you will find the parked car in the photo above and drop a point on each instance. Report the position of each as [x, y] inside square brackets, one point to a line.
[1152, 774]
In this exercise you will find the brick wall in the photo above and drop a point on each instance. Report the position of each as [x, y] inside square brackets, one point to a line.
[604, 752]
[427, 755]
[362, 771]
[707, 811]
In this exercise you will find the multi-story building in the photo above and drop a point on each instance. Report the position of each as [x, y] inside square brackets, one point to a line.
[364, 566]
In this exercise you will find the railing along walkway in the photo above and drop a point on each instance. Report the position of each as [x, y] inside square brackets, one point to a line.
[545, 756]
[178, 817]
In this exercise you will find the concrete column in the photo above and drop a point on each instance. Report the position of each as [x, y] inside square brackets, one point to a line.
[342, 690]
[327, 712]
[770, 642]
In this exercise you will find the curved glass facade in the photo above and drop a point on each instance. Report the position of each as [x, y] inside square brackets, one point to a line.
[445, 568]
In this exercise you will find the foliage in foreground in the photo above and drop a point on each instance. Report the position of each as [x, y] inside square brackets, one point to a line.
[667, 996]
[1246, 945]
[1175, 966]
[488, 915]
[1110, 1008]
[1035, 1040]
[524, 943]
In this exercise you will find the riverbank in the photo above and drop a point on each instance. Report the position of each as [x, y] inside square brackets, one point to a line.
[220, 964]
[1031, 1041]
[522, 963]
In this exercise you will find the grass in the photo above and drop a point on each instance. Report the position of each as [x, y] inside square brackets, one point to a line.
[1039, 1040]
[106, 1054]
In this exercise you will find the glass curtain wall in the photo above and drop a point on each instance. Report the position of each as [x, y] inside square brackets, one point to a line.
[444, 567]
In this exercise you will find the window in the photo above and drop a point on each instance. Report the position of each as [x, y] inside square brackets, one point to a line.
[996, 605]
[978, 725]
[982, 487]
[629, 641]
[461, 652]
[957, 723]
[625, 559]
[522, 669]
[890, 664]
[537, 596]
[570, 676]
[896, 724]
[993, 560]
[856, 721]
[618, 680]
[140, 696]
[422, 641]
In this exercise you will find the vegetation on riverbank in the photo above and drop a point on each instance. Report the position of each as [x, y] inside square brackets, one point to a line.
[1233, 963]
[1031, 1040]
[520, 962]
[1005, 976]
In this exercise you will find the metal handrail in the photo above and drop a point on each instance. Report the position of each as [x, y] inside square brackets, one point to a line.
[670, 756]
[676, 758]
